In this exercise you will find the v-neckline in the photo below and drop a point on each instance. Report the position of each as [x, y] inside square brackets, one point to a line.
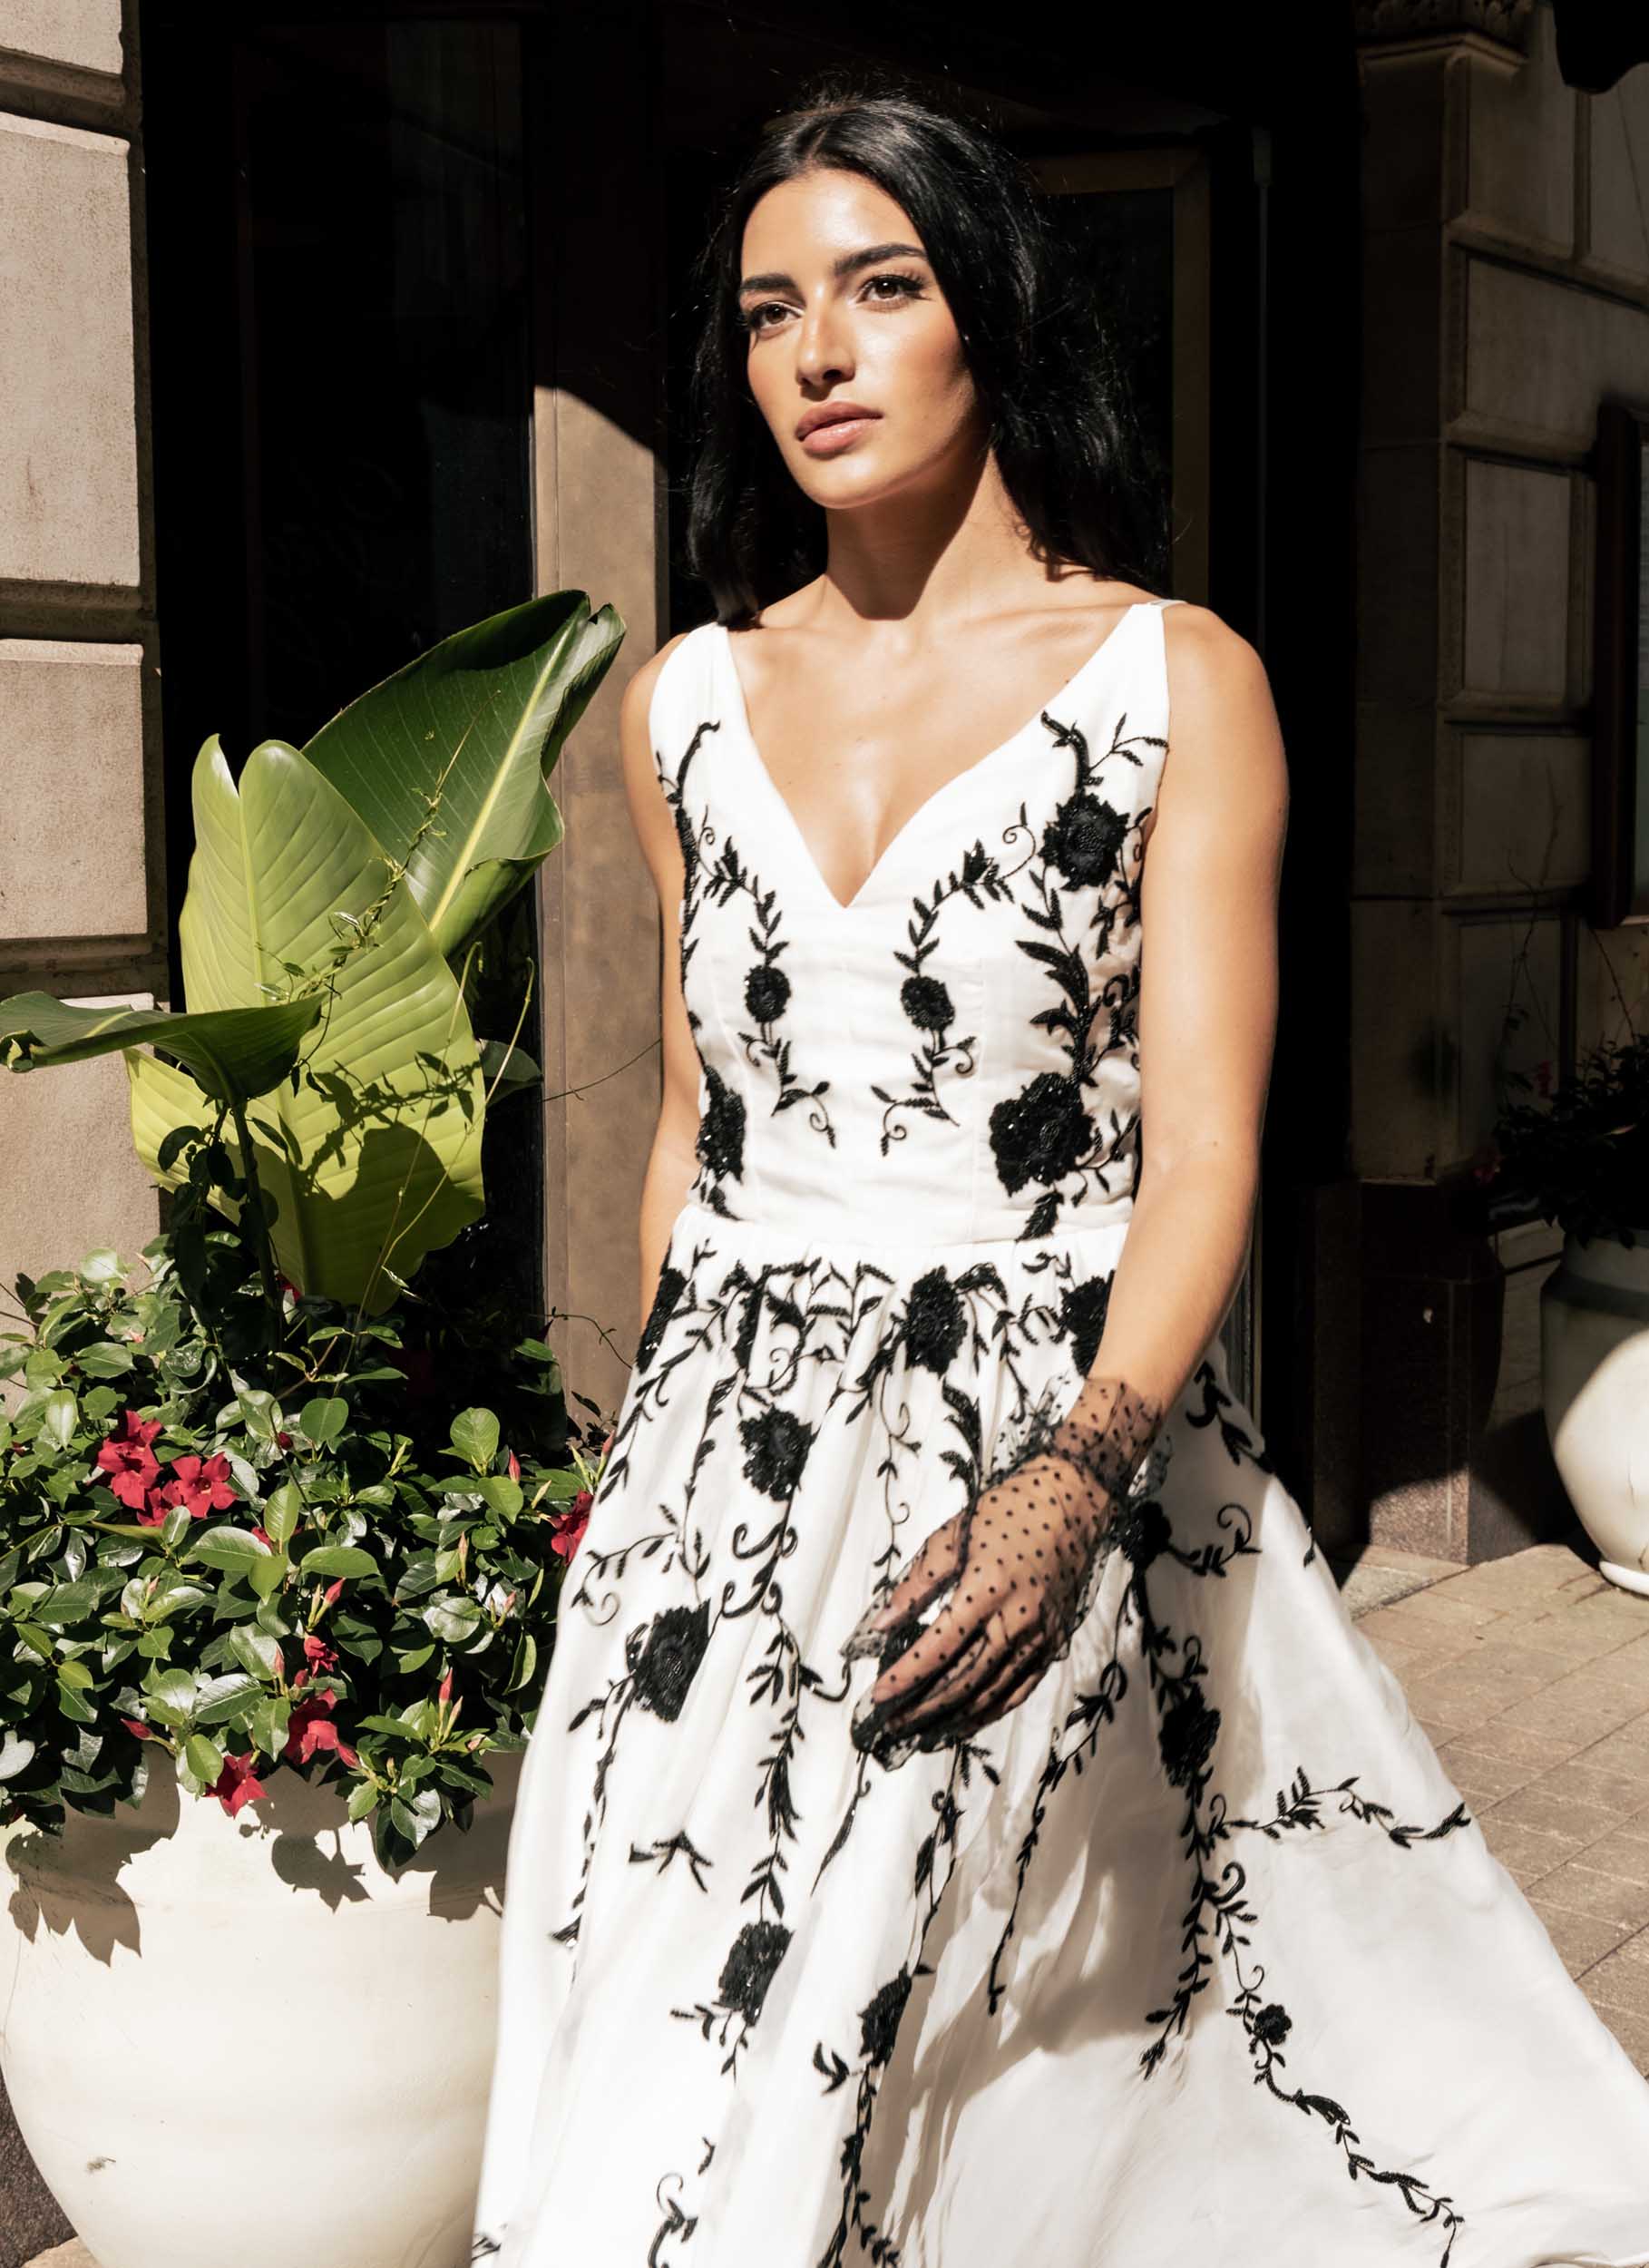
[740, 714]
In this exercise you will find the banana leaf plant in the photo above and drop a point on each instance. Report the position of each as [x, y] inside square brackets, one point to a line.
[333, 895]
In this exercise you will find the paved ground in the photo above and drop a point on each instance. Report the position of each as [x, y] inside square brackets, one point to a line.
[1531, 1674]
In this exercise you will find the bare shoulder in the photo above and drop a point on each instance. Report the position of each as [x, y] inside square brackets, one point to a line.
[1220, 702]
[636, 698]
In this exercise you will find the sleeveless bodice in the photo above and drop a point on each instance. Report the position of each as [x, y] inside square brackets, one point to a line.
[954, 1054]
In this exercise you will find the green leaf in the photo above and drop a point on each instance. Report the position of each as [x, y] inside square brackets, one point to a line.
[104, 1359]
[231, 1548]
[455, 1621]
[233, 1053]
[59, 1416]
[363, 1801]
[270, 1723]
[525, 1664]
[255, 1649]
[205, 1758]
[282, 1510]
[474, 1436]
[268, 1575]
[170, 1694]
[338, 1558]
[490, 708]
[375, 1158]
[324, 1419]
[221, 1698]
[501, 1493]
[102, 1266]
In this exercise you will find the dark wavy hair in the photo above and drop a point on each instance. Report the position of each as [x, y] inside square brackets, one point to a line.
[1038, 344]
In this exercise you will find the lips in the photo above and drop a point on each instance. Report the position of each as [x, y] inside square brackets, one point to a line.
[831, 413]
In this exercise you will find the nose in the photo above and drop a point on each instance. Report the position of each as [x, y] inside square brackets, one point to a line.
[824, 352]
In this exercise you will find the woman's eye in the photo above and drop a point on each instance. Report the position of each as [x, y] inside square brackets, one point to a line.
[904, 287]
[885, 290]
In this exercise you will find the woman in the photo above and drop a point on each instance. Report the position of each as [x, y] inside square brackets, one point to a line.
[963, 1826]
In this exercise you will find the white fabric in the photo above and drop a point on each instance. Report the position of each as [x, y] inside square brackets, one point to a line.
[1195, 1955]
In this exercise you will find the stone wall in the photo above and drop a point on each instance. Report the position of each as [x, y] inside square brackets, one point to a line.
[82, 896]
[1506, 291]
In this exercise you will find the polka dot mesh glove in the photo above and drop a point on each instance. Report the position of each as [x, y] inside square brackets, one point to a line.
[994, 1595]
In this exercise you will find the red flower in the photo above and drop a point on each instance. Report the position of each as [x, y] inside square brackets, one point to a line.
[238, 1783]
[137, 1728]
[267, 1541]
[318, 1653]
[202, 1487]
[311, 1729]
[513, 1467]
[567, 1528]
[127, 1458]
[333, 1590]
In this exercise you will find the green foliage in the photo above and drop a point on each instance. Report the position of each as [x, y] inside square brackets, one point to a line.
[1580, 1156]
[234, 1540]
[334, 920]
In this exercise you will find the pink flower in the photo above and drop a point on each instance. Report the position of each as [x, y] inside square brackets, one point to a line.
[129, 1463]
[200, 1487]
[567, 1528]
[311, 1729]
[513, 1467]
[446, 1693]
[238, 1783]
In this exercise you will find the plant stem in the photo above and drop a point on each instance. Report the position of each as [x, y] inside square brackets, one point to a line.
[253, 1189]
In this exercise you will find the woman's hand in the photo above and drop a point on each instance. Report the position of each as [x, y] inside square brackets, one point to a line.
[1021, 1564]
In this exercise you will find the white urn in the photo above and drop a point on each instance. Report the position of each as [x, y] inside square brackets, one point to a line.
[242, 2041]
[1595, 1376]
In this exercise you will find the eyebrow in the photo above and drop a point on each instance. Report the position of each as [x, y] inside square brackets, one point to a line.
[775, 279]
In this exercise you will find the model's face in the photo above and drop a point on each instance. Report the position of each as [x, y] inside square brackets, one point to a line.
[840, 306]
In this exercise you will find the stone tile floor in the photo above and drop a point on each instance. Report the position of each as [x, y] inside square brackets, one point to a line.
[1531, 1676]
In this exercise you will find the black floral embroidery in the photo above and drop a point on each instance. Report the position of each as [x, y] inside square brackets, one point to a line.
[720, 1142]
[1083, 1308]
[776, 1446]
[936, 1322]
[674, 1649]
[1186, 1737]
[927, 1000]
[670, 1285]
[1084, 840]
[750, 1966]
[1040, 1134]
[879, 2022]
[767, 992]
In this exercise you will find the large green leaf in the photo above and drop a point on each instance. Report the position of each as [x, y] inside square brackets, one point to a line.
[490, 707]
[375, 1158]
[235, 1053]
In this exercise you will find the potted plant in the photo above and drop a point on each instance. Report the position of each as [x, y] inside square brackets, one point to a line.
[1578, 1154]
[276, 1583]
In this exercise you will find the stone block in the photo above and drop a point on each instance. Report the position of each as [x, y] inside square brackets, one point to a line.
[1525, 811]
[1620, 166]
[1506, 967]
[1519, 129]
[73, 1181]
[72, 841]
[1394, 1026]
[1540, 354]
[84, 32]
[1517, 568]
[1396, 781]
[68, 433]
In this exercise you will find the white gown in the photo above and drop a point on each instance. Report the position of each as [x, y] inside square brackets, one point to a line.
[1197, 1954]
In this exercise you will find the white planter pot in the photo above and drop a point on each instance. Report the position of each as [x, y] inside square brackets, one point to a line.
[1594, 1373]
[240, 2041]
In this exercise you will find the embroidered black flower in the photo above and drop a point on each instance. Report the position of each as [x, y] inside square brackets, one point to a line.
[777, 1445]
[767, 992]
[674, 1649]
[748, 1971]
[1143, 1532]
[935, 1323]
[1039, 1134]
[879, 2022]
[720, 1144]
[672, 1283]
[1186, 1738]
[1084, 840]
[1083, 1311]
[1273, 2024]
[927, 1003]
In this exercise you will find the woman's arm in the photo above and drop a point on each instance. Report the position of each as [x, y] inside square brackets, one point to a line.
[1017, 1569]
[1207, 1008]
[673, 1162]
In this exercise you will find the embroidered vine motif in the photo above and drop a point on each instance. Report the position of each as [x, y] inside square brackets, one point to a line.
[766, 989]
[926, 1000]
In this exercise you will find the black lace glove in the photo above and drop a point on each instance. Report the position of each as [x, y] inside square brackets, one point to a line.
[1020, 1566]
